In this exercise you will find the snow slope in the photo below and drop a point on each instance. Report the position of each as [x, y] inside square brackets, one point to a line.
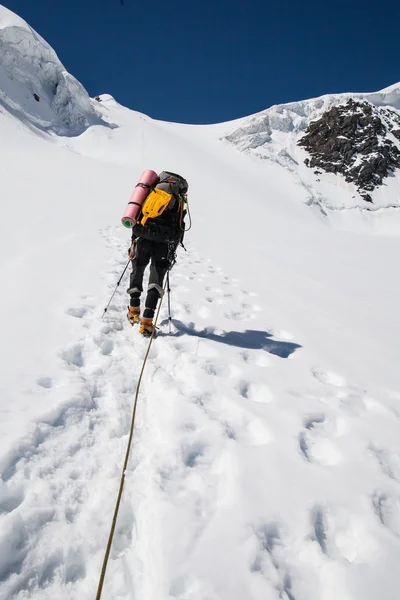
[35, 86]
[266, 459]
[273, 135]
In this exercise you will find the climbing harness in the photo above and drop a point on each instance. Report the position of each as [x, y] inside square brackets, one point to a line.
[128, 450]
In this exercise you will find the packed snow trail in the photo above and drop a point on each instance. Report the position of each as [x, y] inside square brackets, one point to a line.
[218, 456]
[165, 289]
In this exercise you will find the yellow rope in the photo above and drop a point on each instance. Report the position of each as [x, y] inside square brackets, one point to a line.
[128, 449]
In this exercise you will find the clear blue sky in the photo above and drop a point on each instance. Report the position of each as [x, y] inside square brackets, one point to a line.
[216, 60]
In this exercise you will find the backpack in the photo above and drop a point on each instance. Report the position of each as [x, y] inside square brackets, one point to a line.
[162, 213]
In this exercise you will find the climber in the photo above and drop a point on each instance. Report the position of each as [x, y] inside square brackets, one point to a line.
[156, 235]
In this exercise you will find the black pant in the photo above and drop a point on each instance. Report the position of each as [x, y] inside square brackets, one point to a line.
[157, 252]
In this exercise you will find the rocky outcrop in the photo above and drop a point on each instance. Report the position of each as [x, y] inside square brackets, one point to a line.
[357, 140]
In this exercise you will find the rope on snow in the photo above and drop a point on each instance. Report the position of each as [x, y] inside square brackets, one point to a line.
[128, 450]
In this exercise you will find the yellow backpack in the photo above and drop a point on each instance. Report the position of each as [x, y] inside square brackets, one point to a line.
[155, 204]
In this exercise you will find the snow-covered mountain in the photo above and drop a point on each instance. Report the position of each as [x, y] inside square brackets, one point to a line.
[355, 136]
[266, 458]
[34, 85]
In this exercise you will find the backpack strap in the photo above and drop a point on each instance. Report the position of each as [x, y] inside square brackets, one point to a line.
[149, 186]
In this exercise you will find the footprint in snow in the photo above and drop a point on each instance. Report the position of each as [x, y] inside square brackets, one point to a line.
[106, 329]
[387, 508]
[45, 382]
[269, 560]
[237, 315]
[315, 441]
[193, 453]
[256, 392]
[26, 448]
[339, 533]
[215, 369]
[124, 529]
[77, 312]
[103, 341]
[328, 377]
[258, 359]
[73, 356]
[245, 429]
[106, 347]
[268, 537]
[319, 528]
[388, 461]
[12, 561]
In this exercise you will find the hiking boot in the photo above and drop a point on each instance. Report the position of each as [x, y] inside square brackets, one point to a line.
[146, 327]
[133, 314]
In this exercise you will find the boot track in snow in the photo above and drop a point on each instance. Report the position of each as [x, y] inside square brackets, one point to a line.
[217, 455]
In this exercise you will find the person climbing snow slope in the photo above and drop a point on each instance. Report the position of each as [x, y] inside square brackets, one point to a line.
[156, 235]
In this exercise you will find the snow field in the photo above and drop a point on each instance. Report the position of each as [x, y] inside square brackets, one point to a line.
[224, 443]
[266, 457]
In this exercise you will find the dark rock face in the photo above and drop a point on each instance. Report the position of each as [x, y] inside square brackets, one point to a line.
[357, 140]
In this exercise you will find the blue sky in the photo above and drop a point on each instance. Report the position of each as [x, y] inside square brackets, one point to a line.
[212, 61]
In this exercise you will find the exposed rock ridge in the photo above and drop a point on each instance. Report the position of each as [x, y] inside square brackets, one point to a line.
[357, 140]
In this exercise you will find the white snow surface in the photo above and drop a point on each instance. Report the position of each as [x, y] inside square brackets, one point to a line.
[29, 66]
[266, 454]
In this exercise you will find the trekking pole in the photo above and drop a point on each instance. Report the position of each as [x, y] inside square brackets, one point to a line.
[116, 287]
[169, 303]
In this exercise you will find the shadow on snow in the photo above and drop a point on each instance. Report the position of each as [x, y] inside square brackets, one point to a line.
[249, 339]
